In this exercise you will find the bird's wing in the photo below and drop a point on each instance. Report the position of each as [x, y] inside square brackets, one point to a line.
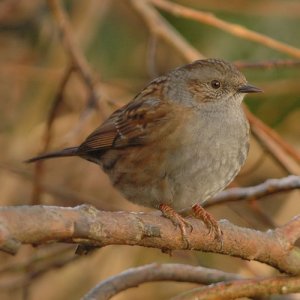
[131, 125]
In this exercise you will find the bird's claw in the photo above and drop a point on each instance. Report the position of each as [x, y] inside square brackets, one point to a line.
[210, 222]
[178, 221]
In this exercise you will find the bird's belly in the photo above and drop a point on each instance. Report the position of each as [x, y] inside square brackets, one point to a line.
[179, 178]
[202, 176]
[141, 176]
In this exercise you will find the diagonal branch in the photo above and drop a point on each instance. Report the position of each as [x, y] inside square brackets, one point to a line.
[273, 147]
[234, 29]
[160, 27]
[86, 225]
[68, 40]
[244, 288]
[77, 58]
[260, 127]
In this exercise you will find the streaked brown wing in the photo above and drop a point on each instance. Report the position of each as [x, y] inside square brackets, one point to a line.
[103, 136]
[128, 126]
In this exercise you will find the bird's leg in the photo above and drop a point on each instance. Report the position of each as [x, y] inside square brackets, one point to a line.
[209, 221]
[177, 220]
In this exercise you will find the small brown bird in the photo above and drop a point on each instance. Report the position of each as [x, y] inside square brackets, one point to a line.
[180, 141]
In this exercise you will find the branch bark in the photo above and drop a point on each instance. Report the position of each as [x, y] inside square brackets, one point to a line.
[86, 225]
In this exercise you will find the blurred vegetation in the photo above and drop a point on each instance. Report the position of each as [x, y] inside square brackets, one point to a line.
[115, 40]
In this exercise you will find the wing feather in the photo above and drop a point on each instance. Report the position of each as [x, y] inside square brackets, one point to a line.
[128, 126]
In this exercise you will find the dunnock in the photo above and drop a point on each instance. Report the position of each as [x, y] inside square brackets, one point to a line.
[180, 141]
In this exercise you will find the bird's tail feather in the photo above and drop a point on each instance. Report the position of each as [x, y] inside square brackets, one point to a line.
[72, 151]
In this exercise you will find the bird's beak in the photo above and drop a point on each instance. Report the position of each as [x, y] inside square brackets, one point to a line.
[248, 88]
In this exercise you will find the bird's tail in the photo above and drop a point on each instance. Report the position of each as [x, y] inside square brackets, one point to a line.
[72, 151]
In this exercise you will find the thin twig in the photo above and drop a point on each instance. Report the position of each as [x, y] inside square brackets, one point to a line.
[259, 8]
[256, 287]
[269, 187]
[160, 27]
[39, 167]
[77, 58]
[156, 272]
[275, 150]
[254, 121]
[234, 29]
[268, 64]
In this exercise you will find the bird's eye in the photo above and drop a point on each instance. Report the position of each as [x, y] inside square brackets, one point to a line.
[215, 84]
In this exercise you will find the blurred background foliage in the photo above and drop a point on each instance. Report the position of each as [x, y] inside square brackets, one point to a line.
[115, 41]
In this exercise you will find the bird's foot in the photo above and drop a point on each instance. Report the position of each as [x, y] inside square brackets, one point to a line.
[177, 220]
[209, 221]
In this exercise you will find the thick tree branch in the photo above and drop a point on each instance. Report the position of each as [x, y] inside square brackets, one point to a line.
[86, 225]
[156, 272]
